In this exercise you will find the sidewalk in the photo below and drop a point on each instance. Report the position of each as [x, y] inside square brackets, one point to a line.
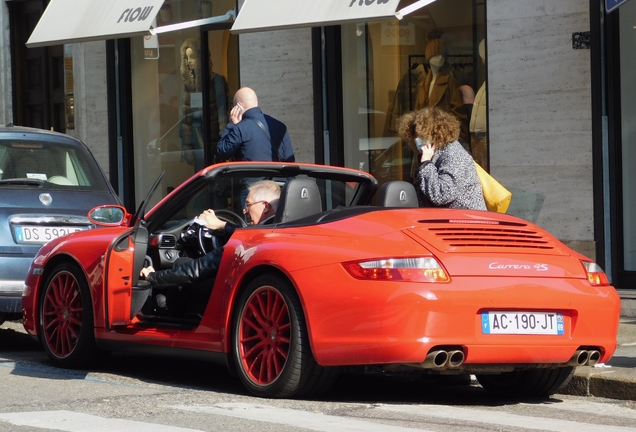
[617, 378]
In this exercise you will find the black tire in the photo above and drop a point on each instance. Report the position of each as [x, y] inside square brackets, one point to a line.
[67, 330]
[270, 344]
[527, 383]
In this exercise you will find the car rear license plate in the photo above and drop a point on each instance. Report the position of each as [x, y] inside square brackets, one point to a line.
[42, 234]
[530, 323]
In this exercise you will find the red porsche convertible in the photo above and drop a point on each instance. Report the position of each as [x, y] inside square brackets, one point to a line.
[345, 275]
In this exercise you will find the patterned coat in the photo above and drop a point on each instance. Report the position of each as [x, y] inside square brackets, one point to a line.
[450, 180]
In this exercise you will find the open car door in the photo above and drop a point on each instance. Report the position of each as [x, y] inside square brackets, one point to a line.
[125, 294]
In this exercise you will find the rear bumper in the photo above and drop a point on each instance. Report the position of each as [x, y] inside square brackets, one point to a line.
[363, 323]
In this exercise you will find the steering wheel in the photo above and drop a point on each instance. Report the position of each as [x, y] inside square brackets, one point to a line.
[206, 236]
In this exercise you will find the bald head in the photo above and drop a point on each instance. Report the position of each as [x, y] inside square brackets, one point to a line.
[246, 97]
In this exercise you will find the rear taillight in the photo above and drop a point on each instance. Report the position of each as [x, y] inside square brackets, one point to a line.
[398, 269]
[595, 274]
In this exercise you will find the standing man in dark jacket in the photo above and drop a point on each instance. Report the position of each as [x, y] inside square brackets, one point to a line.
[252, 135]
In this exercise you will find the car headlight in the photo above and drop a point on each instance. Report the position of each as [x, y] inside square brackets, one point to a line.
[424, 269]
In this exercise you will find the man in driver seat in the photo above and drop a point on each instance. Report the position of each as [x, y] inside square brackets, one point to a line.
[260, 205]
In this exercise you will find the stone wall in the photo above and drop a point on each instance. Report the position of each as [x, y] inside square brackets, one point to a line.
[539, 91]
[91, 99]
[6, 101]
[278, 66]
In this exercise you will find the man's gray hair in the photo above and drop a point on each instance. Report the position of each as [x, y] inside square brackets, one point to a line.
[265, 190]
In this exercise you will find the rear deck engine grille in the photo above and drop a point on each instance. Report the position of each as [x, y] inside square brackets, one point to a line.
[479, 236]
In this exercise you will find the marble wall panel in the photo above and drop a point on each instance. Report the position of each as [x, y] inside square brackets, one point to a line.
[566, 210]
[278, 66]
[6, 105]
[507, 9]
[539, 91]
[536, 54]
[91, 99]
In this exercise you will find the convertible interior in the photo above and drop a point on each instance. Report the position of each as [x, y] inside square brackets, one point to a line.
[174, 239]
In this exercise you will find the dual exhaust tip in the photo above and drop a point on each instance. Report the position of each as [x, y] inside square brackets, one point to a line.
[583, 357]
[443, 359]
[453, 359]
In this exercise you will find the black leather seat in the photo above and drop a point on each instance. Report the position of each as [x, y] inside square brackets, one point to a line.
[299, 198]
[397, 194]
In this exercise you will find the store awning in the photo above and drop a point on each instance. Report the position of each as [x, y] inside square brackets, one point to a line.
[262, 15]
[68, 21]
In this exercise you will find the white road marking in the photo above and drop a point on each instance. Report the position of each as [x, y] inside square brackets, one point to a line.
[294, 418]
[593, 408]
[501, 418]
[77, 422]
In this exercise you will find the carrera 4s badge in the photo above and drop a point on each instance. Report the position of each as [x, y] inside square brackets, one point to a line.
[498, 266]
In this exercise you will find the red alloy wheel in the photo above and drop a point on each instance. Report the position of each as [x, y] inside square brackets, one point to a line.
[264, 335]
[62, 313]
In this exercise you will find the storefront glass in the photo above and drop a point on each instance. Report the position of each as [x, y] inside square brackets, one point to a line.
[628, 139]
[181, 94]
[387, 71]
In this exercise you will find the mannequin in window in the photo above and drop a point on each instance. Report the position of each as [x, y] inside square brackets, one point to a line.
[191, 123]
[439, 88]
[190, 114]
[478, 125]
[404, 97]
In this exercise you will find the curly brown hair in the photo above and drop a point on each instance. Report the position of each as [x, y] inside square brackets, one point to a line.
[432, 124]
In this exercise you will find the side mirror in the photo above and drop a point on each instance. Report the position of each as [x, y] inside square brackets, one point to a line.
[109, 215]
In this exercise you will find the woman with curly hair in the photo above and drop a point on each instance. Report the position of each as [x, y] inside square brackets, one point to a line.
[446, 175]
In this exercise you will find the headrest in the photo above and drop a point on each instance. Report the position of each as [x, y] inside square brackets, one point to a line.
[397, 194]
[298, 198]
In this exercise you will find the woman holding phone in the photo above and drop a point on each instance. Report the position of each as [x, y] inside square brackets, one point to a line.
[446, 175]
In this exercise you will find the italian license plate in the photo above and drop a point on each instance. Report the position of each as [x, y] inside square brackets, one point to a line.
[42, 234]
[530, 323]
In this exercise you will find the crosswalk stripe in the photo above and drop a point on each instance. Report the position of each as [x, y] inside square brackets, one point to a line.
[294, 418]
[501, 418]
[77, 422]
[593, 408]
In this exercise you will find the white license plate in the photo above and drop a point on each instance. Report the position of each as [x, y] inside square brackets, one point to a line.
[532, 323]
[42, 234]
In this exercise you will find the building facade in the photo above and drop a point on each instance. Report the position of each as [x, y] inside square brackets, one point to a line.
[539, 109]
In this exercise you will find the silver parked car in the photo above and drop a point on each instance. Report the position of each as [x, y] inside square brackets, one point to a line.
[48, 183]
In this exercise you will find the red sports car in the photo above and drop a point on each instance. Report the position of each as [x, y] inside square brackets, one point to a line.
[332, 281]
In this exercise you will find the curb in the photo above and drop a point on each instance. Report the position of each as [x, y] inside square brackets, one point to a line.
[615, 383]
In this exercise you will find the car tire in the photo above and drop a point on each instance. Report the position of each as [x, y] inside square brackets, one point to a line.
[527, 383]
[66, 318]
[270, 343]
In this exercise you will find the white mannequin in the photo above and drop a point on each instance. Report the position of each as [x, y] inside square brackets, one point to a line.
[436, 62]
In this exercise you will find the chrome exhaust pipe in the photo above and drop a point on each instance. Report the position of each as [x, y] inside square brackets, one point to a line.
[579, 358]
[593, 357]
[435, 360]
[455, 359]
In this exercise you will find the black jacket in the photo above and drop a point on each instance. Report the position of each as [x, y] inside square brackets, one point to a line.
[196, 270]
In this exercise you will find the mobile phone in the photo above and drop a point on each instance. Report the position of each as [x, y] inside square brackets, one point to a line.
[240, 106]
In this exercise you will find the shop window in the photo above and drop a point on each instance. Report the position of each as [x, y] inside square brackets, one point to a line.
[388, 68]
[182, 87]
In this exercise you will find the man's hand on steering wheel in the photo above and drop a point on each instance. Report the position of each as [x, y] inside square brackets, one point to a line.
[212, 222]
